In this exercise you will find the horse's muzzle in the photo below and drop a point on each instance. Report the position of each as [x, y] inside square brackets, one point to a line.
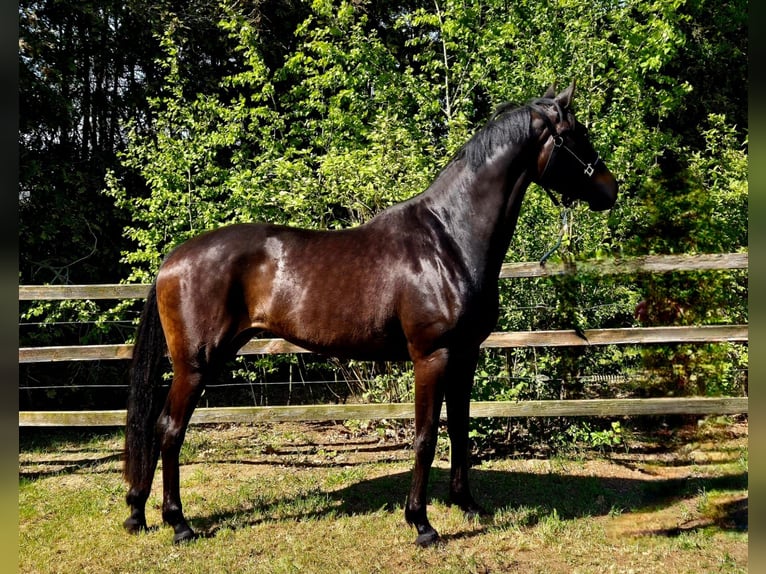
[604, 194]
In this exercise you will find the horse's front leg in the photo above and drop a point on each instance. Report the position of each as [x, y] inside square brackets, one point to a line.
[458, 394]
[429, 376]
[173, 422]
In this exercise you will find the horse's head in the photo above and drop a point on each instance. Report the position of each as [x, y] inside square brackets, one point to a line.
[567, 162]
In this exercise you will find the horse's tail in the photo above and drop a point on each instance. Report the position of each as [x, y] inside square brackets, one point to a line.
[145, 398]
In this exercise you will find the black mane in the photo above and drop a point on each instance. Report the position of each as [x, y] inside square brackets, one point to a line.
[509, 122]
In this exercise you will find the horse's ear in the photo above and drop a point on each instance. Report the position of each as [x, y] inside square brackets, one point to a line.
[564, 99]
[550, 92]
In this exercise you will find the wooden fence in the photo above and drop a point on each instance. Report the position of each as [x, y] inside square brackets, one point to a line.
[589, 407]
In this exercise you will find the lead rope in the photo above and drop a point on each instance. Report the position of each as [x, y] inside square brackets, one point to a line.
[564, 231]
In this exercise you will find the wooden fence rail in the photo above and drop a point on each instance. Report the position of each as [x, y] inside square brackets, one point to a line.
[551, 408]
[646, 264]
[589, 407]
[592, 337]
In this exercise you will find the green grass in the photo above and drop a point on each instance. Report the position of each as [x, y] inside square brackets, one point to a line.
[303, 500]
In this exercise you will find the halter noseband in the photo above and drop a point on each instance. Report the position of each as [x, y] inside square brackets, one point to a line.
[558, 143]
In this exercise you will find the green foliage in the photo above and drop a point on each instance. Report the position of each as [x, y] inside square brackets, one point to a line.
[696, 202]
[322, 114]
[328, 148]
[349, 124]
[602, 440]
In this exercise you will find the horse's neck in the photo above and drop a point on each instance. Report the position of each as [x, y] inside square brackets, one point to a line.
[480, 208]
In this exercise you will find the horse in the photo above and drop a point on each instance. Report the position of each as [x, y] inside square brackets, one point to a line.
[417, 282]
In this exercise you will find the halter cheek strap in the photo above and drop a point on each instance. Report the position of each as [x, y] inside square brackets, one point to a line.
[535, 106]
[558, 142]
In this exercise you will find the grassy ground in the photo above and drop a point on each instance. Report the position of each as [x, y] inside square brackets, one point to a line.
[323, 498]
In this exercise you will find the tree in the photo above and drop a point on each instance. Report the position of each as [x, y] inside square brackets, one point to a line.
[86, 68]
[321, 114]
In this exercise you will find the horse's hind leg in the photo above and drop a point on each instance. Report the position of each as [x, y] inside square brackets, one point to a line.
[187, 386]
[138, 494]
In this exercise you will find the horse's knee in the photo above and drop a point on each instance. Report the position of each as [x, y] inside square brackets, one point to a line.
[425, 442]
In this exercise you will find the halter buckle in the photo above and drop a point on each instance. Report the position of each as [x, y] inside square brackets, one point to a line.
[558, 141]
[589, 170]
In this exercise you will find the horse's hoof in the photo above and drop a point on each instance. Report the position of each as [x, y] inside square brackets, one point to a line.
[427, 539]
[184, 535]
[134, 525]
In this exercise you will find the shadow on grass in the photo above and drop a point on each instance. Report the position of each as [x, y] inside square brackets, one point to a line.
[65, 450]
[54, 467]
[535, 495]
[542, 495]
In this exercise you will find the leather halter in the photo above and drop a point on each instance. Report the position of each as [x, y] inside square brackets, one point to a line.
[559, 144]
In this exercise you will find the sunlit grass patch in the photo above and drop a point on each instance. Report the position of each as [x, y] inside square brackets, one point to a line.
[314, 504]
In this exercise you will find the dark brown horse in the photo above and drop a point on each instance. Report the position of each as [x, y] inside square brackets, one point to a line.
[417, 282]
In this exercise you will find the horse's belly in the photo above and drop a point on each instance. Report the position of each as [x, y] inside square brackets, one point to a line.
[346, 328]
[344, 340]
